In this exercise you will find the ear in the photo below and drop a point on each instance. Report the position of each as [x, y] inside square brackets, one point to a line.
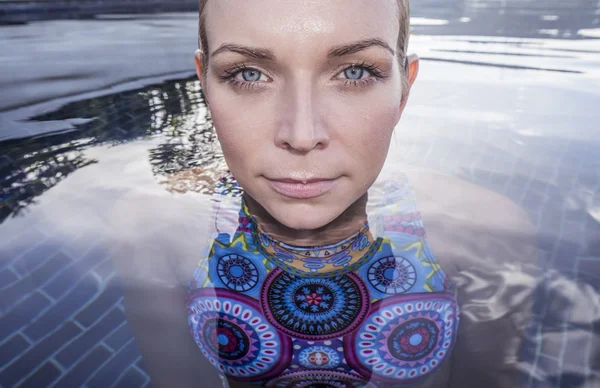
[199, 71]
[412, 70]
[198, 60]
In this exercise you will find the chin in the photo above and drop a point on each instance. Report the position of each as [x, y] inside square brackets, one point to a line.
[304, 216]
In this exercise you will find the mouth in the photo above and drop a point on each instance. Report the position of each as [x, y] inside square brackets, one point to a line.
[304, 188]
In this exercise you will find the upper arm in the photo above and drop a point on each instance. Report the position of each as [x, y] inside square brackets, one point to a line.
[470, 226]
[486, 243]
[150, 244]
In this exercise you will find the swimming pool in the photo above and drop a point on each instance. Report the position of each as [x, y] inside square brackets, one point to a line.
[513, 109]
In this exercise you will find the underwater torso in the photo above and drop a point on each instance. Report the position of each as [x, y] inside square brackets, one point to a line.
[372, 310]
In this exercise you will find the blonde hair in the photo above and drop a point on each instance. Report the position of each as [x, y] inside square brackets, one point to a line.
[401, 45]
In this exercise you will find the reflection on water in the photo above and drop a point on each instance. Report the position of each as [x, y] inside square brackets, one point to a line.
[512, 114]
[167, 111]
[573, 19]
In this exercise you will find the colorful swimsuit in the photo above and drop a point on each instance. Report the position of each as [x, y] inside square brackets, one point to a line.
[366, 311]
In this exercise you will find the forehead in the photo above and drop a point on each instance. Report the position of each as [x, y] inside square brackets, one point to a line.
[301, 27]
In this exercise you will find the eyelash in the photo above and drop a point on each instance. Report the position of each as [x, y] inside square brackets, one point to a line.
[375, 72]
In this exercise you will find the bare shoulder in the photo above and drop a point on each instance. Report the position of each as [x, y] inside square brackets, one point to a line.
[157, 238]
[466, 201]
[486, 244]
[157, 235]
[470, 225]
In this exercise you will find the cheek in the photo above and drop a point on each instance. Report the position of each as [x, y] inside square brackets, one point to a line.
[365, 125]
[241, 126]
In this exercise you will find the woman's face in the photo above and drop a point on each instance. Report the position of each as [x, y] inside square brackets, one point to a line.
[304, 96]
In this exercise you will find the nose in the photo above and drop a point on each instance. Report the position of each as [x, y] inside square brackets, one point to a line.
[301, 126]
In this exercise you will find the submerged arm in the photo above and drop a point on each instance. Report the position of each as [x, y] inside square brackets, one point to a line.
[152, 240]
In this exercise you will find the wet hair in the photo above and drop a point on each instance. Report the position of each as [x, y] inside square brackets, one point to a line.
[401, 45]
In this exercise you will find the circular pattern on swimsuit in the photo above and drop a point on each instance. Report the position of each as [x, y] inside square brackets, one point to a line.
[392, 275]
[319, 379]
[234, 337]
[404, 338]
[319, 357]
[237, 272]
[314, 308]
[236, 269]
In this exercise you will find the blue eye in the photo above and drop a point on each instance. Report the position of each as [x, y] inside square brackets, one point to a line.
[251, 75]
[354, 73]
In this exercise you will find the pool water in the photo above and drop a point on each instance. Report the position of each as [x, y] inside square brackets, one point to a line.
[510, 104]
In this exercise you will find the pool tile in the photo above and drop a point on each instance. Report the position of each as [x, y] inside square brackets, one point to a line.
[576, 356]
[119, 337]
[84, 368]
[65, 280]
[53, 266]
[37, 256]
[108, 297]
[14, 245]
[93, 335]
[14, 293]
[42, 377]
[142, 365]
[133, 378]
[37, 354]
[22, 314]
[11, 349]
[7, 277]
[64, 308]
[105, 270]
[111, 371]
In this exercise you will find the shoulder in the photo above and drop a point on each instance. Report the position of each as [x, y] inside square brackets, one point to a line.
[157, 235]
[470, 225]
[157, 239]
[486, 244]
[463, 200]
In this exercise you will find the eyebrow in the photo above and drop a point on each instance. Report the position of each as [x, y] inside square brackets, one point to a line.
[338, 51]
[355, 47]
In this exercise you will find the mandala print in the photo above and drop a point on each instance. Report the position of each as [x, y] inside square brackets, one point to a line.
[397, 270]
[234, 337]
[236, 268]
[404, 338]
[314, 309]
[237, 272]
[392, 275]
[319, 379]
[319, 357]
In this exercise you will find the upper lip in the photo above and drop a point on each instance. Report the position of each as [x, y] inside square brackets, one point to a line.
[301, 180]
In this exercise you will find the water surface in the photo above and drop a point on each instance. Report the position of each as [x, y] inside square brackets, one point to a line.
[507, 98]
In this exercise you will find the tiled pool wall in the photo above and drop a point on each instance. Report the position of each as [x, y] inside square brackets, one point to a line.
[62, 313]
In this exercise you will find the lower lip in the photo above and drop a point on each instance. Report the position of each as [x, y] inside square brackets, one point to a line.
[301, 190]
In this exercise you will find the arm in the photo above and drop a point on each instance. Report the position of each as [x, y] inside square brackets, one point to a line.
[500, 279]
[151, 243]
[486, 244]
[157, 316]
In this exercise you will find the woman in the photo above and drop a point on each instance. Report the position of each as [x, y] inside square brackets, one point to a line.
[305, 97]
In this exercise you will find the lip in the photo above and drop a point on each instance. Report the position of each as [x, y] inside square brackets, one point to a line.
[311, 188]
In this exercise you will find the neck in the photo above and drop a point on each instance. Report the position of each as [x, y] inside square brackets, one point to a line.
[348, 223]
